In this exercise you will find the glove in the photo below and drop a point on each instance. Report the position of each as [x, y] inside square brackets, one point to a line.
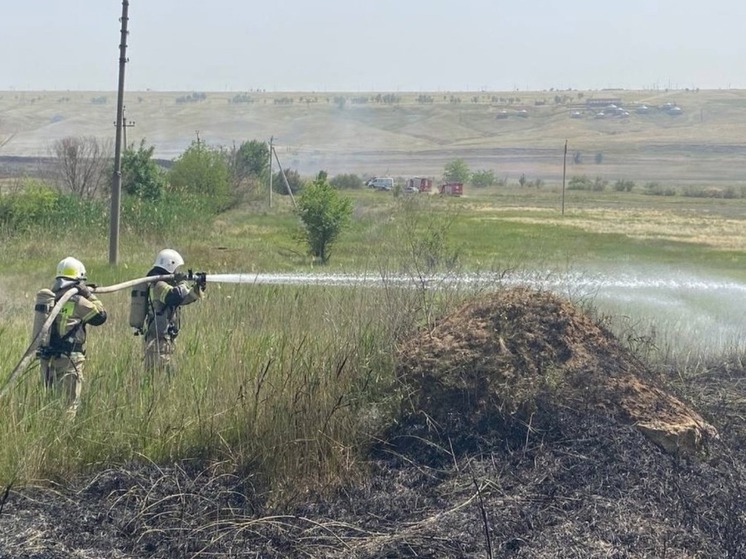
[84, 290]
[180, 276]
[202, 283]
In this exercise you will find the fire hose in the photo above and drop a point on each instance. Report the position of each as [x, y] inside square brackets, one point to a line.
[42, 337]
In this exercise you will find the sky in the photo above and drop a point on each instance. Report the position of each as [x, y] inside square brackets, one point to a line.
[374, 45]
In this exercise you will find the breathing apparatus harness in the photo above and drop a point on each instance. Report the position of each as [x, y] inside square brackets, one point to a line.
[56, 345]
[142, 309]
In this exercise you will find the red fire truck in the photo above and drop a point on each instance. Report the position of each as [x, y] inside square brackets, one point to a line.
[452, 188]
[418, 184]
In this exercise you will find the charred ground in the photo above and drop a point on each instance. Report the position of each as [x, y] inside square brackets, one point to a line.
[528, 430]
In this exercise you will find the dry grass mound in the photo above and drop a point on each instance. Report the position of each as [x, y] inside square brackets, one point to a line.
[498, 359]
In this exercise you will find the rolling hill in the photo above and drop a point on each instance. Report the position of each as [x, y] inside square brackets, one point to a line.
[414, 133]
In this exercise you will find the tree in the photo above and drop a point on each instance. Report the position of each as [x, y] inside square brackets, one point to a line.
[295, 181]
[83, 165]
[141, 176]
[483, 178]
[457, 171]
[324, 213]
[201, 170]
[250, 162]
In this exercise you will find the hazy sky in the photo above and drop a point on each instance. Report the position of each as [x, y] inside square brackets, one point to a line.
[380, 45]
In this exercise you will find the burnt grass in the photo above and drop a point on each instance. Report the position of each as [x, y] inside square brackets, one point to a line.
[543, 477]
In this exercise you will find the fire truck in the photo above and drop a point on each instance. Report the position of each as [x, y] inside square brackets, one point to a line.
[452, 188]
[418, 184]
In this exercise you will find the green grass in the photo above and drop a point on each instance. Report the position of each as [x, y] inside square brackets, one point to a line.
[290, 382]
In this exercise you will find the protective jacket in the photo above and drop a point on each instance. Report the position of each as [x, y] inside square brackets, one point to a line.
[164, 300]
[68, 332]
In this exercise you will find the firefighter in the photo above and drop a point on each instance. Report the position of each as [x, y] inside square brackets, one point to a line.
[165, 298]
[62, 360]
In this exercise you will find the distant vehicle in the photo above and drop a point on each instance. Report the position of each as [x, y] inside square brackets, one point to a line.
[418, 184]
[452, 188]
[381, 183]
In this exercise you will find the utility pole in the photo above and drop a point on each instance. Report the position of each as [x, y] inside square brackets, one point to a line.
[564, 173]
[271, 148]
[125, 125]
[116, 183]
[284, 178]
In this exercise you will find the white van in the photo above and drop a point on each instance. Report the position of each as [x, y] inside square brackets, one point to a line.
[381, 183]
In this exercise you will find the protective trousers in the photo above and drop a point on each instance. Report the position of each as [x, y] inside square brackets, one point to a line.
[159, 351]
[64, 374]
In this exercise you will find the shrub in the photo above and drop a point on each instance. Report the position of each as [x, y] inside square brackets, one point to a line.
[624, 185]
[203, 171]
[39, 206]
[728, 192]
[580, 182]
[141, 176]
[346, 181]
[456, 171]
[324, 213]
[483, 178]
[20, 210]
[656, 189]
[599, 184]
[295, 182]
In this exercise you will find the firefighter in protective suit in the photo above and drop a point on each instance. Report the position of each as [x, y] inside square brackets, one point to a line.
[165, 298]
[62, 360]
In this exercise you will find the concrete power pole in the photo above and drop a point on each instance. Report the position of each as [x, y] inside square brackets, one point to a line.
[116, 183]
[564, 174]
[271, 149]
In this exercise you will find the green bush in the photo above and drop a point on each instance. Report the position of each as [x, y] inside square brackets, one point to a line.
[38, 206]
[483, 178]
[580, 183]
[324, 213]
[346, 181]
[656, 189]
[202, 171]
[728, 192]
[623, 185]
[599, 184]
[295, 182]
[18, 211]
[457, 171]
[141, 176]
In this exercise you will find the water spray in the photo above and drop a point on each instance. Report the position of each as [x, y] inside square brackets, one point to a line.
[668, 294]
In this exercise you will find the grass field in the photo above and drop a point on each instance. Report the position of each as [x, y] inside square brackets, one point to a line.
[309, 360]
[296, 380]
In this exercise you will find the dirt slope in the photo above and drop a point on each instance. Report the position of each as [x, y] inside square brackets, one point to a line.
[525, 433]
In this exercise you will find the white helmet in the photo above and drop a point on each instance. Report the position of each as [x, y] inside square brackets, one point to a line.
[71, 268]
[169, 260]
